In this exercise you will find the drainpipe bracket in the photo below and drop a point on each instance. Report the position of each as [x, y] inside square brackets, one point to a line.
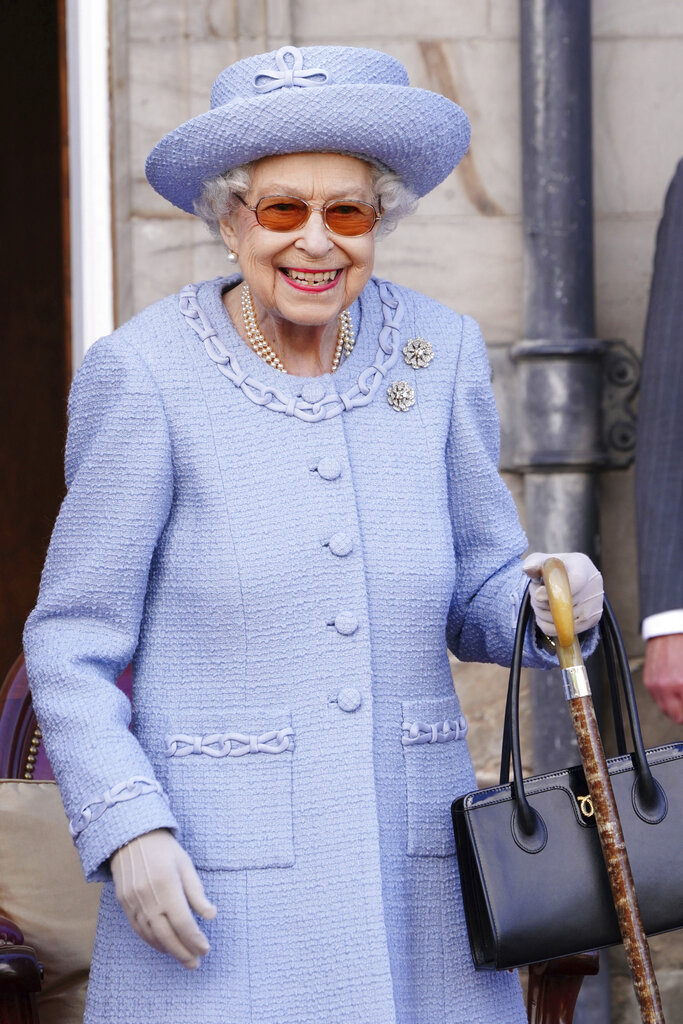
[621, 380]
[565, 406]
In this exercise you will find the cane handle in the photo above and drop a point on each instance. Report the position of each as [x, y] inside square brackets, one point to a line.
[562, 610]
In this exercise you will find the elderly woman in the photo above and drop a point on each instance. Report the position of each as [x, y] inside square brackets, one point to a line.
[283, 505]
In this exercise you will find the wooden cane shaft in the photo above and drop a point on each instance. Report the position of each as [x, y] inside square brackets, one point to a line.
[600, 788]
[616, 860]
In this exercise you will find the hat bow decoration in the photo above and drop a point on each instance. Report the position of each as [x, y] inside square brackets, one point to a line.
[287, 76]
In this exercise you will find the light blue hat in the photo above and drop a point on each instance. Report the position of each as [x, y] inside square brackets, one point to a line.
[316, 98]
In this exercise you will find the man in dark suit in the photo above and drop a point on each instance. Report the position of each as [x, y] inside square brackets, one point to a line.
[659, 465]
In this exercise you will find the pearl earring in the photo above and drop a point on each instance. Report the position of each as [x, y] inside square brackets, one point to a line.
[232, 256]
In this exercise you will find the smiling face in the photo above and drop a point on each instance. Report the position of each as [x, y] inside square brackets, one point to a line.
[306, 276]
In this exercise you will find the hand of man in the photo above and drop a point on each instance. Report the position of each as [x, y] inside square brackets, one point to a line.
[157, 886]
[663, 673]
[585, 583]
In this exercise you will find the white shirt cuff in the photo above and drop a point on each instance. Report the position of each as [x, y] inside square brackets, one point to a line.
[663, 623]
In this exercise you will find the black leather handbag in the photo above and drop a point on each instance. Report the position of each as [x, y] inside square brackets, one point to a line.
[534, 883]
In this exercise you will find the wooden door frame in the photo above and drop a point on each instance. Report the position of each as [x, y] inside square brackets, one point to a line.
[89, 163]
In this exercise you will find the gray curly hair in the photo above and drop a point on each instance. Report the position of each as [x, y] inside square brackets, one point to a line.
[218, 196]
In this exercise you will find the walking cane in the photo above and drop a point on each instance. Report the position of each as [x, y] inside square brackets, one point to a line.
[577, 691]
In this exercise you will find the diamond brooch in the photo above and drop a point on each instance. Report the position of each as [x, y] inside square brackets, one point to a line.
[400, 395]
[418, 352]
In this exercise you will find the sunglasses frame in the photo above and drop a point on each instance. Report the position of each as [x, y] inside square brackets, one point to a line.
[309, 211]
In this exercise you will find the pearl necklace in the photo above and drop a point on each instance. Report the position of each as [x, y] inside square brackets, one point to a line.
[345, 338]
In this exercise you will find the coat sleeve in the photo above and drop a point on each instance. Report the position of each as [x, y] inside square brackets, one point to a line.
[84, 629]
[658, 477]
[488, 539]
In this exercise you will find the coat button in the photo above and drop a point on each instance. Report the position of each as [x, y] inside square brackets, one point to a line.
[312, 391]
[340, 544]
[349, 699]
[328, 468]
[346, 624]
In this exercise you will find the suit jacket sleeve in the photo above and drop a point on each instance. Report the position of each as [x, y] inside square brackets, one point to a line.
[658, 478]
[84, 628]
[488, 539]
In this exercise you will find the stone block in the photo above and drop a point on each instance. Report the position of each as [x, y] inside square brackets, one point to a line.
[635, 18]
[160, 23]
[151, 21]
[473, 264]
[314, 22]
[163, 258]
[624, 252]
[159, 91]
[163, 97]
[609, 18]
[207, 59]
[637, 84]
[145, 202]
[279, 22]
[209, 256]
[483, 77]
[169, 253]
[503, 19]
[667, 957]
[482, 690]
[618, 533]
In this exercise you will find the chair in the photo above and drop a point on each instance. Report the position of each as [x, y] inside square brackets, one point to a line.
[42, 891]
[20, 977]
[20, 745]
[20, 972]
[554, 987]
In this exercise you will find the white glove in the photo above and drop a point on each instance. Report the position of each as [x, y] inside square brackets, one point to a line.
[156, 884]
[585, 583]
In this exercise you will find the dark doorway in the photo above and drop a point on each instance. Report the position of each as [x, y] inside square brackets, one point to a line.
[35, 368]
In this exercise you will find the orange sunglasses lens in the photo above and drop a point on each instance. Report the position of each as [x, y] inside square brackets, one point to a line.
[346, 218]
[286, 213]
[281, 213]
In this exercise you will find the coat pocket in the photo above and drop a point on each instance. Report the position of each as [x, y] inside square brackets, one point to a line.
[230, 787]
[438, 768]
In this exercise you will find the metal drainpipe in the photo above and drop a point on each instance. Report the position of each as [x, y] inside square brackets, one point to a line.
[559, 446]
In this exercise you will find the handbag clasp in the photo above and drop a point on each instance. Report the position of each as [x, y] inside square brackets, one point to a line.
[586, 806]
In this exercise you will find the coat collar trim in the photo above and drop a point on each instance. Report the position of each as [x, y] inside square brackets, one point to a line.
[272, 396]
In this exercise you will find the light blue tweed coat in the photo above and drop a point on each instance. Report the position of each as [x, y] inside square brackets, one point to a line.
[285, 560]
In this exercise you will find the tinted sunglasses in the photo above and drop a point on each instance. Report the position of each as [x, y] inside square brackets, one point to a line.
[287, 213]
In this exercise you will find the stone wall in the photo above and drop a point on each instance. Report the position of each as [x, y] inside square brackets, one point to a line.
[464, 246]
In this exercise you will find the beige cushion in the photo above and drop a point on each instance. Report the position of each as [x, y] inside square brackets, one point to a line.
[43, 891]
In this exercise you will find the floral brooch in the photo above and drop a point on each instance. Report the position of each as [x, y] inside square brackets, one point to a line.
[418, 353]
[400, 395]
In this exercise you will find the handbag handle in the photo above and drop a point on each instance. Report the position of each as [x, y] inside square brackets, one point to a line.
[613, 678]
[649, 797]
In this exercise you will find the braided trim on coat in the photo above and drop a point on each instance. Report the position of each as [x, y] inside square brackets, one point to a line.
[122, 791]
[440, 732]
[230, 744]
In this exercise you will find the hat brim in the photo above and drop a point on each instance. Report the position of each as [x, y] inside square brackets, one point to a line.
[420, 135]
